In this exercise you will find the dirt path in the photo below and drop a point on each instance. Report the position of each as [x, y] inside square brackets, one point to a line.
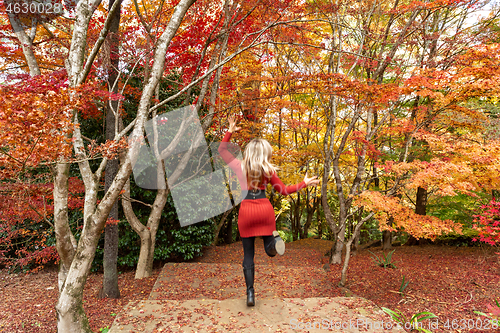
[293, 293]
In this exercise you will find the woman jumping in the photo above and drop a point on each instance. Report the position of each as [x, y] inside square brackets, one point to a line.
[256, 214]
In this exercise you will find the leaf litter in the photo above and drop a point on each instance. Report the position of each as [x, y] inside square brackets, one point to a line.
[451, 282]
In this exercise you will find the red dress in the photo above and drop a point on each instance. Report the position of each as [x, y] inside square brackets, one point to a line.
[256, 217]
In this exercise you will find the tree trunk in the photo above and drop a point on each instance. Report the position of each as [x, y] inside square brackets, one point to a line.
[110, 262]
[70, 313]
[295, 218]
[386, 240]
[26, 42]
[147, 233]
[336, 256]
[65, 241]
[356, 236]
[355, 244]
[319, 221]
[110, 281]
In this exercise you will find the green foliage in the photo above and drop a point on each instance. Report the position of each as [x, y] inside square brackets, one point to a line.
[370, 231]
[459, 208]
[414, 322]
[466, 239]
[286, 236]
[384, 261]
[403, 286]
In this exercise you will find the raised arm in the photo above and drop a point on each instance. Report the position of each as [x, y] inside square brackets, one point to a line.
[224, 152]
[226, 155]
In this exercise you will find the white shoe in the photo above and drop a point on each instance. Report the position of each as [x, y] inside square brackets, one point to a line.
[279, 243]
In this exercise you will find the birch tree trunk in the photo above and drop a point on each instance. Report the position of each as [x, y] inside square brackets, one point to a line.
[147, 233]
[70, 312]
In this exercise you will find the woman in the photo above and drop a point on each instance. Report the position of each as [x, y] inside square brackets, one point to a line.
[256, 214]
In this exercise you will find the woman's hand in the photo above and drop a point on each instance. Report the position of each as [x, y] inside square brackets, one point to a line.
[232, 124]
[313, 181]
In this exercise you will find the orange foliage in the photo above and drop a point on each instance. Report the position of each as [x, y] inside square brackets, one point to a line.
[404, 217]
[36, 118]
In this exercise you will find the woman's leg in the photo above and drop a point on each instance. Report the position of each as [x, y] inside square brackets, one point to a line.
[269, 245]
[248, 251]
[249, 268]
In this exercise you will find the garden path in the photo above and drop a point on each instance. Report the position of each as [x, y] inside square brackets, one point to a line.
[293, 293]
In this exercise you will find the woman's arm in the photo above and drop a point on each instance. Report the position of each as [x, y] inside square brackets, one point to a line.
[226, 155]
[286, 190]
[283, 189]
[224, 152]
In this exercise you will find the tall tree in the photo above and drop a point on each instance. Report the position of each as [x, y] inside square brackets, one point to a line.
[76, 257]
[110, 280]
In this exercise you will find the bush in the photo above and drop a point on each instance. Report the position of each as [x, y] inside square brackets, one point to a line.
[172, 244]
[452, 239]
[27, 246]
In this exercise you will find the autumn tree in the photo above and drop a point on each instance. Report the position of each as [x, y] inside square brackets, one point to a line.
[352, 66]
[76, 257]
[110, 280]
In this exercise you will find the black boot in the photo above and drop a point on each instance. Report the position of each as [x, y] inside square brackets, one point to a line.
[277, 246]
[249, 273]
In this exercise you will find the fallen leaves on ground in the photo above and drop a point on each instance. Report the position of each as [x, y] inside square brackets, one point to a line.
[28, 300]
[451, 282]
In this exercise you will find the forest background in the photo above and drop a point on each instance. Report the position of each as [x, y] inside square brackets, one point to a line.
[393, 104]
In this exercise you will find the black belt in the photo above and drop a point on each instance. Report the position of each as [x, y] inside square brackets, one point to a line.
[255, 194]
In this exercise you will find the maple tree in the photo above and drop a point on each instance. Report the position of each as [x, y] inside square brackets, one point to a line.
[488, 223]
[461, 160]
[374, 97]
[361, 85]
[233, 29]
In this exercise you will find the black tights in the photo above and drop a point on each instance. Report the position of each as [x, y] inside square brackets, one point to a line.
[249, 249]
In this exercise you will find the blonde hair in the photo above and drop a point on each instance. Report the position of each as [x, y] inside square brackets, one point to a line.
[256, 162]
